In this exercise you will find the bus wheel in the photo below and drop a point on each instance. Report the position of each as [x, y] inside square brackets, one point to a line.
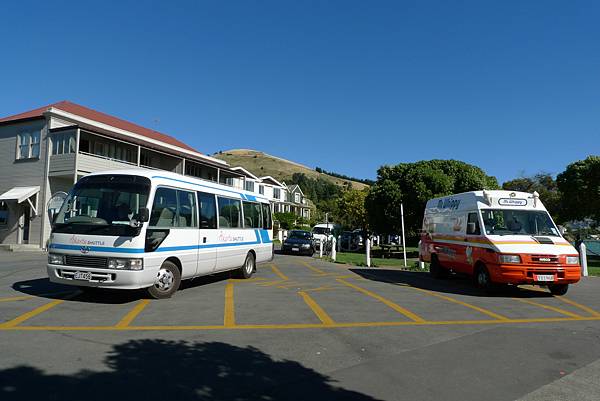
[558, 289]
[167, 281]
[249, 266]
[436, 270]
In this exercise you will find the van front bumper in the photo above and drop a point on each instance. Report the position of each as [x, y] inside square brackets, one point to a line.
[526, 274]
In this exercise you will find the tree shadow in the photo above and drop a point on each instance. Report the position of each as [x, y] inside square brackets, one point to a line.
[454, 284]
[178, 370]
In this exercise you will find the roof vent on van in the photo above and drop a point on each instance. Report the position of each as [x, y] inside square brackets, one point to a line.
[544, 240]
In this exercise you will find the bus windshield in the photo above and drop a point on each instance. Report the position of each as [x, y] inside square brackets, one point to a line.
[518, 222]
[103, 205]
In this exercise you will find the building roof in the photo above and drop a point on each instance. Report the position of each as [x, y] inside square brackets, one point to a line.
[244, 172]
[273, 180]
[293, 188]
[91, 114]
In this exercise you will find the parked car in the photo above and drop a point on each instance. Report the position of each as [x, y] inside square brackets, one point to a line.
[300, 242]
[351, 241]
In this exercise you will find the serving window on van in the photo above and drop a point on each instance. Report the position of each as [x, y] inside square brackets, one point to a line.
[517, 222]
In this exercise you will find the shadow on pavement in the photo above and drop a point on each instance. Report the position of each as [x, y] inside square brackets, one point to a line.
[455, 284]
[177, 370]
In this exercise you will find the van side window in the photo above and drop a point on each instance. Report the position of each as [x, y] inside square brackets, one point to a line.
[266, 213]
[208, 210]
[473, 219]
[252, 218]
[229, 213]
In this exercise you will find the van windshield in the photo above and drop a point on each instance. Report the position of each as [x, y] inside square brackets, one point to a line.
[321, 230]
[518, 222]
[103, 205]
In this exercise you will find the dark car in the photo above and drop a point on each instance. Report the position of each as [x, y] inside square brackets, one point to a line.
[300, 242]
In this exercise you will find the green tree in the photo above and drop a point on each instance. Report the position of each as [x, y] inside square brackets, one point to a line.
[579, 186]
[543, 184]
[286, 220]
[351, 211]
[413, 184]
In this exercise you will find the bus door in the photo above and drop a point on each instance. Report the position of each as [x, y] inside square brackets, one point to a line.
[207, 240]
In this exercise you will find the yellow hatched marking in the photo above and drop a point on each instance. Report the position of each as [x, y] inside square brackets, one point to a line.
[271, 283]
[314, 269]
[580, 306]
[552, 308]
[21, 298]
[279, 273]
[246, 280]
[132, 314]
[26, 316]
[316, 308]
[465, 304]
[385, 301]
[229, 317]
[326, 288]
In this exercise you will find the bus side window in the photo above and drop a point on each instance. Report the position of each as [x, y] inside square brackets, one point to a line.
[473, 225]
[252, 215]
[187, 209]
[208, 210]
[266, 212]
[229, 213]
[164, 209]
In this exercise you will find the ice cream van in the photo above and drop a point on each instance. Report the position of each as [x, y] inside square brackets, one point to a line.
[498, 237]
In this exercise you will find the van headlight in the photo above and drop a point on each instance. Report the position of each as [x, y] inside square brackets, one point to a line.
[56, 259]
[509, 258]
[126, 264]
[572, 260]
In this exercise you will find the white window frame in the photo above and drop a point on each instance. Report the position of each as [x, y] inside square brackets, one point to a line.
[34, 138]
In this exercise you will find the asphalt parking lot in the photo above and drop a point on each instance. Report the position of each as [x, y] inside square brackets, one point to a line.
[301, 328]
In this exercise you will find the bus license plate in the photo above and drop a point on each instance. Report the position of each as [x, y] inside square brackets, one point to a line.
[83, 276]
[544, 277]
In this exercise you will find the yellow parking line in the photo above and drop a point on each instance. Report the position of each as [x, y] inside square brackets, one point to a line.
[279, 273]
[26, 316]
[270, 283]
[552, 308]
[387, 302]
[132, 314]
[229, 317]
[465, 304]
[21, 298]
[305, 325]
[246, 280]
[325, 288]
[580, 306]
[314, 269]
[316, 308]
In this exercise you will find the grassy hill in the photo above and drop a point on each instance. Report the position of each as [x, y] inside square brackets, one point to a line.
[262, 164]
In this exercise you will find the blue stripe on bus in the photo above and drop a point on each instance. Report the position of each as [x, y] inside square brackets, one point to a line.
[251, 197]
[264, 234]
[243, 196]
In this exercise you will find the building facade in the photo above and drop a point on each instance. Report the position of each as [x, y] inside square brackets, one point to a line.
[46, 150]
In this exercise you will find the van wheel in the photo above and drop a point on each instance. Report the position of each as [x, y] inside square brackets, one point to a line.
[436, 270]
[167, 281]
[558, 289]
[247, 270]
[483, 279]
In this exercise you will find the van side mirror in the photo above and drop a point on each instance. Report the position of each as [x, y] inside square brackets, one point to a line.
[471, 228]
[143, 215]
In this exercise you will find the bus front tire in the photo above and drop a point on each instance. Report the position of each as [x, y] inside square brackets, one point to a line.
[167, 281]
[247, 270]
[558, 289]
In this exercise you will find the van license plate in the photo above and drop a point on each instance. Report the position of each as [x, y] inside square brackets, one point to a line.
[544, 277]
[83, 276]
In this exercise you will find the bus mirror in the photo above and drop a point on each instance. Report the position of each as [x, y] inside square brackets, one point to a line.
[143, 215]
[471, 228]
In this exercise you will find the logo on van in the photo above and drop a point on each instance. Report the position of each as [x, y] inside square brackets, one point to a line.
[512, 202]
[448, 203]
[85, 249]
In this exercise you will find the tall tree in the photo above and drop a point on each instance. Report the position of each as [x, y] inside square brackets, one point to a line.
[579, 186]
[351, 209]
[413, 184]
[543, 184]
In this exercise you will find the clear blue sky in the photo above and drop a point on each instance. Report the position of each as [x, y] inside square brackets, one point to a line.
[511, 86]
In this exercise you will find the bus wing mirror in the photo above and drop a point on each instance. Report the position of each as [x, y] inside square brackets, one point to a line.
[144, 215]
[471, 228]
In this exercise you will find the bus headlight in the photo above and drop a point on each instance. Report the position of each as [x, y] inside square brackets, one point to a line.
[126, 264]
[509, 258]
[56, 259]
[572, 260]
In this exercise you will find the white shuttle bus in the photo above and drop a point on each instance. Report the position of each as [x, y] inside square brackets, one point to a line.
[132, 229]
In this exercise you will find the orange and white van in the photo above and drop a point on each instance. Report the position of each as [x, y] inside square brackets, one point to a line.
[498, 237]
